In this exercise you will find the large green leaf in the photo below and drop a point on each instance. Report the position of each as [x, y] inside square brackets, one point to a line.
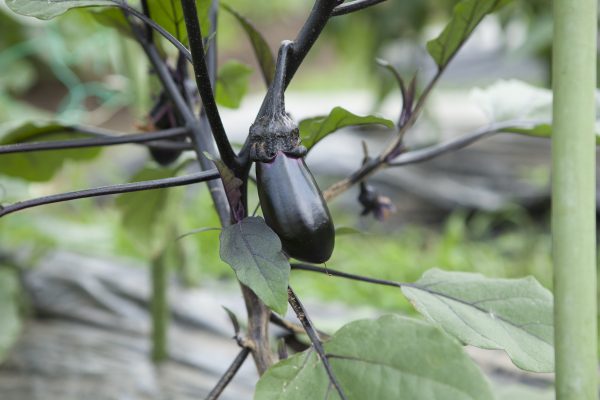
[9, 310]
[46, 9]
[466, 16]
[232, 83]
[146, 214]
[253, 250]
[39, 166]
[514, 315]
[389, 358]
[169, 15]
[261, 48]
[312, 130]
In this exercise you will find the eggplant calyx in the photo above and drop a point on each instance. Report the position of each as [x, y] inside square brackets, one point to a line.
[274, 130]
[269, 136]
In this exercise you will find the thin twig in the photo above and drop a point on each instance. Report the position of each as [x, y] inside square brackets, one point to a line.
[229, 374]
[314, 338]
[332, 272]
[416, 156]
[203, 81]
[430, 152]
[293, 327]
[114, 189]
[135, 138]
[353, 6]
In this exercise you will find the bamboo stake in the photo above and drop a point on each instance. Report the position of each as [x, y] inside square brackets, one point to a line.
[573, 199]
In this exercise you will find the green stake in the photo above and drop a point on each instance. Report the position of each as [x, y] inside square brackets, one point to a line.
[573, 199]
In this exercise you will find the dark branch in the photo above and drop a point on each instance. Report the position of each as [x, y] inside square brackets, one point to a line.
[104, 140]
[203, 81]
[115, 189]
[292, 327]
[331, 272]
[356, 5]
[314, 338]
[149, 22]
[309, 33]
[149, 31]
[229, 374]
[201, 142]
[416, 156]
[428, 153]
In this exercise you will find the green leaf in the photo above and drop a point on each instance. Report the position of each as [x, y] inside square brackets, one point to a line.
[145, 214]
[313, 130]
[39, 166]
[261, 48]
[466, 16]
[9, 310]
[169, 15]
[47, 9]
[232, 83]
[389, 358]
[514, 315]
[253, 250]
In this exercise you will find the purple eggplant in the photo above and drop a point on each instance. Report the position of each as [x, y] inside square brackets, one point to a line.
[294, 208]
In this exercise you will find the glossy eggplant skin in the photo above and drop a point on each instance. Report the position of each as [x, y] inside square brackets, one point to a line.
[294, 208]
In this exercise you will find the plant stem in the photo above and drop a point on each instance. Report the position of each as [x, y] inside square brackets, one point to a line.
[416, 156]
[106, 140]
[308, 34]
[203, 81]
[159, 307]
[114, 189]
[352, 6]
[314, 338]
[229, 374]
[573, 199]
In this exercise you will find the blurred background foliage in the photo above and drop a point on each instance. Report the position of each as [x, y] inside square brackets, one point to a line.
[74, 69]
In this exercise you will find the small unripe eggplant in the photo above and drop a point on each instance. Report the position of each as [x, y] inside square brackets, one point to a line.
[292, 203]
[162, 116]
[294, 208]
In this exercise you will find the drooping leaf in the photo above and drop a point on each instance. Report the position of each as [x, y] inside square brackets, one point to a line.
[261, 48]
[253, 250]
[47, 9]
[312, 130]
[169, 15]
[232, 83]
[514, 315]
[9, 310]
[39, 166]
[388, 358]
[145, 214]
[466, 16]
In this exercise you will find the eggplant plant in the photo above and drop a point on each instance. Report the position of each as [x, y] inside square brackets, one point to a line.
[392, 357]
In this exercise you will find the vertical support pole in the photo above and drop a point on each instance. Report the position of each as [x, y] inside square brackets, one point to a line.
[573, 199]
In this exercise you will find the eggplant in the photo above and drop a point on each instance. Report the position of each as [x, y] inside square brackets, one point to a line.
[292, 203]
[162, 116]
[294, 208]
